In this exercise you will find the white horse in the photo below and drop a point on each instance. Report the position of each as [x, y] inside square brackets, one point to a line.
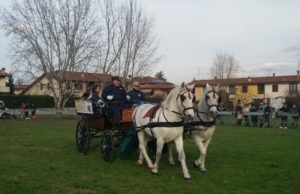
[202, 127]
[166, 125]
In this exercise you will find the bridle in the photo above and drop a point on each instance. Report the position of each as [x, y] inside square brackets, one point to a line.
[215, 93]
[181, 96]
[214, 96]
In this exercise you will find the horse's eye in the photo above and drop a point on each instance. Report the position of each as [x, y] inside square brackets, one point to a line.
[182, 98]
[207, 97]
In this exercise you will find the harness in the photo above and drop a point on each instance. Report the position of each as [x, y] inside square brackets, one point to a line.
[206, 101]
[167, 123]
[190, 126]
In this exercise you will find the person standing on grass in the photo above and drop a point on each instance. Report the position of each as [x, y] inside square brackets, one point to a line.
[221, 107]
[246, 117]
[254, 117]
[295, 115]
[239, 112]
[267, 113]
[283, 116]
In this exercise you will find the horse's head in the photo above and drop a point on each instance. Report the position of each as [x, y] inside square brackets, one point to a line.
[185, 99]
[211, 98]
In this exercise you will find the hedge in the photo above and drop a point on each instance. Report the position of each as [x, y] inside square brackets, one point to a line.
[14, 101]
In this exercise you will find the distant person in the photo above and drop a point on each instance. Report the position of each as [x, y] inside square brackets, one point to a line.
[246, 110]
[283, 116]
[254, 118]
[267, 110]
[136, 96]
[239, 112]
[295, 115]
[221, 108]
[33, 109]
[23, 108]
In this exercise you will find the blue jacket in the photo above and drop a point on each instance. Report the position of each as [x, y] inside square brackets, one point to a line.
[118, 93]
[136, 96]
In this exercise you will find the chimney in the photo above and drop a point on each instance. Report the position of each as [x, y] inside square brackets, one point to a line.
[216, 77]
[298, 72]
[273, 74]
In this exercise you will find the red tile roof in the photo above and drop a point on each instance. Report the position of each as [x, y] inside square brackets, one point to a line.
[151, 80]
[93, 77]
[161, 86]
[250, 80]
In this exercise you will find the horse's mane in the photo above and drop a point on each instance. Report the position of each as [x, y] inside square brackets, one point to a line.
[173, 92]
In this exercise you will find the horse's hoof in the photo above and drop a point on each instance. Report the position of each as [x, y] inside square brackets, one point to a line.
[195, 165]
[204, 170]
[150, 168]
[154, 173]
[188, 179]
[139, 163]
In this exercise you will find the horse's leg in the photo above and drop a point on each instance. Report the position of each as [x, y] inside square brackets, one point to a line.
[141, 136]
[170, 148]
[206, 143]
[159, 147]
[201, 147]
[181, 157]
[141, 156]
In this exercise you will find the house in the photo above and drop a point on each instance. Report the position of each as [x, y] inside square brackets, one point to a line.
[19, 88]
[153, 87]
[255, 89]
[81, 81]
[3, 81]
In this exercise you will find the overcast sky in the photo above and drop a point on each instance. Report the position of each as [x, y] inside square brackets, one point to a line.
[263, 35]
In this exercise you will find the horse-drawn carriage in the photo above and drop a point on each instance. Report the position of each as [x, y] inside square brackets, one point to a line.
[165, 125]
[100, 126]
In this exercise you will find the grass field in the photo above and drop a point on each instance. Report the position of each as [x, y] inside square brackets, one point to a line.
[40, 157]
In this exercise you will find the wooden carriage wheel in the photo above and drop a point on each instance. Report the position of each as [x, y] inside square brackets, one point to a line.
[82, 137]
[107, 146]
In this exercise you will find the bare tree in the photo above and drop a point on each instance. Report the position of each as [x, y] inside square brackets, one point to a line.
[53, 38]
[224, 66]
[129, 46]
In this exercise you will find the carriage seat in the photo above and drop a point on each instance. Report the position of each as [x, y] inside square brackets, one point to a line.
[126, 115]
[151, 112]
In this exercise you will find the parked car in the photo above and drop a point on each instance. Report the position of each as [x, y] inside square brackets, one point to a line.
[4, 114]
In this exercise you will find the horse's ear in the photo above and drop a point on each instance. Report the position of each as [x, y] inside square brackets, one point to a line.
[190, 86]
[182, 85]
[207, 85]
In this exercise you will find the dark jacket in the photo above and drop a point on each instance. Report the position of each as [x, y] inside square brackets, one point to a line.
[136, 96]
[95, 97]
[118, 93]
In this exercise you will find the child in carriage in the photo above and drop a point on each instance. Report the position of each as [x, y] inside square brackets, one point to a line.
[97, 102]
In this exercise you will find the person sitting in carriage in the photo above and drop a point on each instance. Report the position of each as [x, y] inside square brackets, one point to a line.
[115, 97]
[136, 96]
[95, 97]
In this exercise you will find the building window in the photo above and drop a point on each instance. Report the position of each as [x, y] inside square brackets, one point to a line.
[261, 88]
[293, 88]
[231, 89]
[245, 89]
[274, 88]
[42, 86]
[78, 86]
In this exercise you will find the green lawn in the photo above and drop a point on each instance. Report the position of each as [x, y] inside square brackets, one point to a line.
[40, 157]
